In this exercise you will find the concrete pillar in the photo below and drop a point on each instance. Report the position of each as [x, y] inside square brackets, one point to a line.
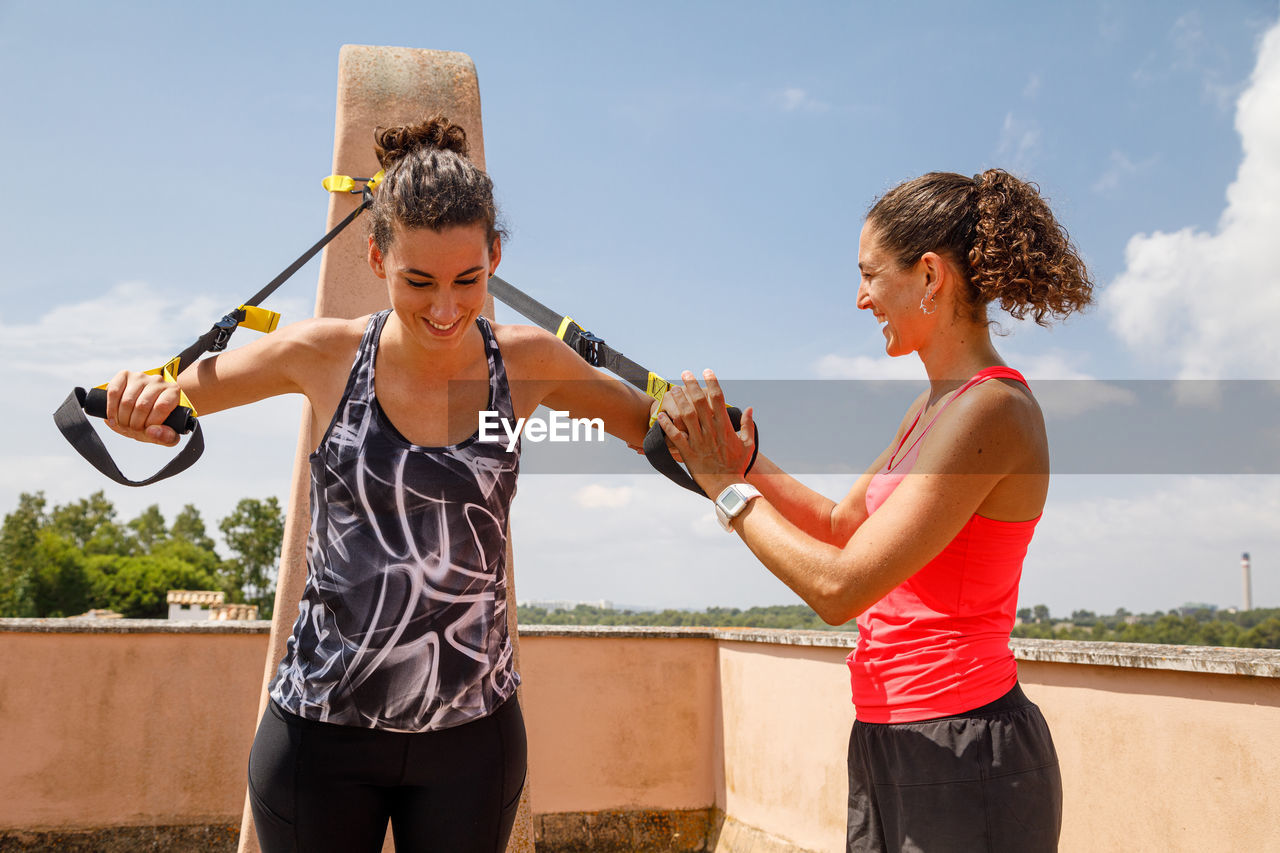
[377, 86]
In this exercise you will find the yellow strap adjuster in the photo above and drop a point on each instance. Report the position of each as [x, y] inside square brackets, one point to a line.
[564, 327]
[344, 184]
[339, 184]
[657, 388]
[169, 370]
[259, 319]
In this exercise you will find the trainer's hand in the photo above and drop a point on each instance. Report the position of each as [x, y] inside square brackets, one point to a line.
[138, 403]
[667, 405]
[701, 431]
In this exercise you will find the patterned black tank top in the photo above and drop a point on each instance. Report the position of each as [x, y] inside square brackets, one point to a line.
[403, 622]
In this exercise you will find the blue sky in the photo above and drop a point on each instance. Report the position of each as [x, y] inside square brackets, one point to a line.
[687, 179]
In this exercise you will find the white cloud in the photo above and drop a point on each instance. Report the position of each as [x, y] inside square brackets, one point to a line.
[1208, 302]
[799, 100]
[596, 496]
[1169, 541]
[1189, 53]
[663, 549]
[1119, 168]
[249, 452]
[1110, 25]
[1018, 144]
[1064, 391]
[833, 366]
[1188, 37]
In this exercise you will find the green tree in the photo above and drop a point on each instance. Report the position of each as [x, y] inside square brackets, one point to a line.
[1264, 635]
[149, 528]
[90, 524]
[1083, 617]
[19, 560]
[188, 526]
[254, 532]
[138, 586]
[1040, 613]
[62, 584]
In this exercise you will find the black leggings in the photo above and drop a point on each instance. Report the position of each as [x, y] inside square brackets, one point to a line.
[318, 787]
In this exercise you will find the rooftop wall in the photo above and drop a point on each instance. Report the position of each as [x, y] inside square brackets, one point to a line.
[667, 739]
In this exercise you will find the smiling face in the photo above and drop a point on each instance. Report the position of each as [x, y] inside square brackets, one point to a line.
[893, 295]
[437, 280]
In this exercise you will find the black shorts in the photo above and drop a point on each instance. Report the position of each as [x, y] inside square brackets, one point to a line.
[985, 780]
[318, 787]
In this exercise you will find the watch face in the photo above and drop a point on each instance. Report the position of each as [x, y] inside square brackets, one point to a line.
[732, 502]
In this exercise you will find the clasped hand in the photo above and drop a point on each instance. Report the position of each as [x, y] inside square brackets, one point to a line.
[138, 403]
[698, 427]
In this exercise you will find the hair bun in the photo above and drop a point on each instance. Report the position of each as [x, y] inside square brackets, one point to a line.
[435, 132]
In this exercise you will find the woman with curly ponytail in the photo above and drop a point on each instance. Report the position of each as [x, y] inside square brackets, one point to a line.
[926, 551]
[396, 697]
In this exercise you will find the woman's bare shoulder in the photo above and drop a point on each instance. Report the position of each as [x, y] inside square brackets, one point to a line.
[999, 414]
[530, 350]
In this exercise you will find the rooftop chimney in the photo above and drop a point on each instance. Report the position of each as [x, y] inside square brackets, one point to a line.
[1248, 585]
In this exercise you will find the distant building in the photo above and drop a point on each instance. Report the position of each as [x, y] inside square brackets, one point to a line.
[194, 604]
[198, 605]
[551, 606]
[233, 612]
[100, 613]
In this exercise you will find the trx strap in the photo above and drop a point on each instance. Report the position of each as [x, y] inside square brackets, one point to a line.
[597, 353]
[70, 416]
[71, 421]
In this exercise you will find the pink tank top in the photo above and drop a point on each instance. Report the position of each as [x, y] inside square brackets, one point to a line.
[938, 644]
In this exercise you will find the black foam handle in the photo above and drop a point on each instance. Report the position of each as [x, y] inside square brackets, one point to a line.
[659, 455]
[76, 429]
[181, 420]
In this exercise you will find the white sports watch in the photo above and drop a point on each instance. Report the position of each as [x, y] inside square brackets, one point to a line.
[732, 501]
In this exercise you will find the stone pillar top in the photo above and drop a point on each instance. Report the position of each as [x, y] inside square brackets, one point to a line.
[382, 87]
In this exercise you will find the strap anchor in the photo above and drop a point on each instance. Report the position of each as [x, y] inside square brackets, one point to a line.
[223, 329]
[588, 346]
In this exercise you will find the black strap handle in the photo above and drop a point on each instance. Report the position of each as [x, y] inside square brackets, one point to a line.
[70, 416]
[181, 420]
[74, 426]
[659, 455]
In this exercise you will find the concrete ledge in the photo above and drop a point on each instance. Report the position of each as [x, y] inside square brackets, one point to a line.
[134, 626]
[215, 838]
[773, 636]
[643, 831]
[1261, 663]
[737, 837]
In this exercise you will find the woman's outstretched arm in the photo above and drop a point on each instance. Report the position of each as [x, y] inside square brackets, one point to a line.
[545, 371]
[293, 359]
[969, 452]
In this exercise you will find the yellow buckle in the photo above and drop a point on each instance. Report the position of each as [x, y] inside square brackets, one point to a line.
[657, 388]
[259, 319]
[344, 184]
[169, 370]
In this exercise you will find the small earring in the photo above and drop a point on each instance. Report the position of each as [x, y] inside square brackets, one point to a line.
[933, 306]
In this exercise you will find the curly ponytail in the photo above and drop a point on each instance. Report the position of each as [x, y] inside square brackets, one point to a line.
[429, 182]
[998, 231]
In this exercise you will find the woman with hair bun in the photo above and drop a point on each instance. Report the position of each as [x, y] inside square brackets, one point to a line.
[395, 700]
[926, 550]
